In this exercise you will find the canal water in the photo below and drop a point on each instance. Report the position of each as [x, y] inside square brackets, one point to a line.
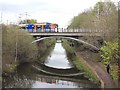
[58, 58]
[28, 77]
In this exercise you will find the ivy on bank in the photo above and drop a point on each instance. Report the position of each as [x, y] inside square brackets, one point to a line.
[110, 52]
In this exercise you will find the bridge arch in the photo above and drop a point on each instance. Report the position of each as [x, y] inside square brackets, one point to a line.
[96, 48]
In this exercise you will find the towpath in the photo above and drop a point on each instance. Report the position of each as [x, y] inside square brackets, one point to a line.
[103, 75]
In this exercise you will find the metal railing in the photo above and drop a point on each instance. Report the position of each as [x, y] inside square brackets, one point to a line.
[71, 30]
[80, 30]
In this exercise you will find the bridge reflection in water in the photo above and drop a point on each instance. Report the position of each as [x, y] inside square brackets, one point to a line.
[60, 82]
[54, 83]
[28, 77]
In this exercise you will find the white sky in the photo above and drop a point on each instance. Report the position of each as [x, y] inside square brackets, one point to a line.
[54, 11]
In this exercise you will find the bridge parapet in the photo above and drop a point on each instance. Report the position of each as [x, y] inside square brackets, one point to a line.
[66, 34]
[80, 30]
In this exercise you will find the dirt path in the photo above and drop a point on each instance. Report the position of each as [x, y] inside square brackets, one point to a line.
[105, 77]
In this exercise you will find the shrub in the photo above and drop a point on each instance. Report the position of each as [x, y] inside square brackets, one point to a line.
[17, 47]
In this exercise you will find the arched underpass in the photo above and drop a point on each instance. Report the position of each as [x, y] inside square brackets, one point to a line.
[81, 41]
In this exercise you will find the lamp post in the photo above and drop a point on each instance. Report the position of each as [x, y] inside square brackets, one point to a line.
[1, 20]
[16, 51]
[19, 21]
[26, 16]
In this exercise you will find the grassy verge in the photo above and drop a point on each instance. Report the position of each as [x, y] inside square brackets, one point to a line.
[114, 72]
[11, 67]
[82, 65]
[79, 63]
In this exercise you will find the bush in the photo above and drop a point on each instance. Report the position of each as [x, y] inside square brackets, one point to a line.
[110, 52]
[17, 47]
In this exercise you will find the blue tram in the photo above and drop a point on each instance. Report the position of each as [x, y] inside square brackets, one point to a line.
[40, 27]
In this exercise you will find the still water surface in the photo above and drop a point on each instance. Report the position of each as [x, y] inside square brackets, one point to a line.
[28, 77]
[58, 58]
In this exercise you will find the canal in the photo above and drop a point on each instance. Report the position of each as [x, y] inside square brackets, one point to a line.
[26, 76]
[58, 58]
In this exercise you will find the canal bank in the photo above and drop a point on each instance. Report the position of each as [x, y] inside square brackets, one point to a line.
[85, 60]
[81, 65]
[17, 48]
[45, 47]
[37, 53]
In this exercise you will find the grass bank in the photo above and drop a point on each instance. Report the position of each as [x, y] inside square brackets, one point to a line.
[89, 73]
[79, 62]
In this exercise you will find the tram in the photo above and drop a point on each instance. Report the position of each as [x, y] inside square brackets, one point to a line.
[40, 27]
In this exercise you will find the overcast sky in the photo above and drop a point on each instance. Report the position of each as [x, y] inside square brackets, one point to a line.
[54, 11]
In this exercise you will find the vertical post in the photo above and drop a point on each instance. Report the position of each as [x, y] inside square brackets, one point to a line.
[1, 52]
[34, 27]
[26, 20]
[26, 16]
[42, 28]
[1, 20]
[19, 22]
[16, 48]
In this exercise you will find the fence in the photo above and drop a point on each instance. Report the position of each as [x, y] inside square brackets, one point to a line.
[80, 30]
